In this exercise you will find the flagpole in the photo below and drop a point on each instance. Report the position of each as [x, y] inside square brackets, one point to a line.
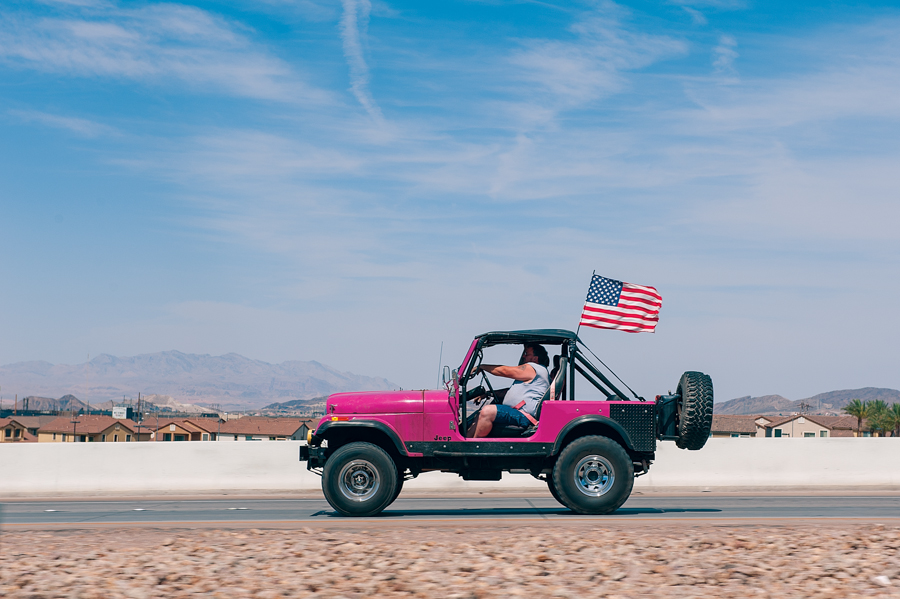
[577, 330]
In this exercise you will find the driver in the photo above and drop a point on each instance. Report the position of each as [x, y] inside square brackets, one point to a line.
[519, 401]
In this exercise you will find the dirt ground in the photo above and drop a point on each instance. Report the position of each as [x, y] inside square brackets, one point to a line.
[586, 560]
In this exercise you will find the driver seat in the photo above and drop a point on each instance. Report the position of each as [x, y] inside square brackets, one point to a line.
[555, 391]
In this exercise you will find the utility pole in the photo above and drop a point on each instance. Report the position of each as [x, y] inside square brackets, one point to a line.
[74, 422]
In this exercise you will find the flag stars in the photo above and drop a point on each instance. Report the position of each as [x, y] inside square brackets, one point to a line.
[604, 291]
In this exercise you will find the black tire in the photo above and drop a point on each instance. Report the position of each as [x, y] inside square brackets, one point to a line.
[553, 490]
[359, 479]
[593, 475]
[695, 410]
[398, 488]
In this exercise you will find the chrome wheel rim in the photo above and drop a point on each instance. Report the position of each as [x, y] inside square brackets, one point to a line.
[359, 480]
[594, 475]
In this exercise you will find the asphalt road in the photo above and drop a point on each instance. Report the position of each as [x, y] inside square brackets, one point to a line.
[16, 515]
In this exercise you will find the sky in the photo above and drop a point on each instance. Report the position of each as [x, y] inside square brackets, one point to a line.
[371, 184]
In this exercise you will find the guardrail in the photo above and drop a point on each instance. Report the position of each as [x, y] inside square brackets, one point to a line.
[73, 469]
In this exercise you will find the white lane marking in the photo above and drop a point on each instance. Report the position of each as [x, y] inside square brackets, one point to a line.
[238, 508]
[51, 510]
[139, 509]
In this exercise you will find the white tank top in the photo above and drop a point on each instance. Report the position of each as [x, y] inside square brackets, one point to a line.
[529, 392]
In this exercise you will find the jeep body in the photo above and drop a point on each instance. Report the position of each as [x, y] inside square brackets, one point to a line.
[425, 430]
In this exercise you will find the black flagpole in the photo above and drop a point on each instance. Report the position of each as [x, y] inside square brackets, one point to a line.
[593, 274]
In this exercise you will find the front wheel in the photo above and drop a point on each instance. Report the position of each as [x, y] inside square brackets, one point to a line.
[359, 479]
[593, 475]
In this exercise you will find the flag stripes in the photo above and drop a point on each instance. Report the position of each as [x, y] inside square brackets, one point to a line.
[613, 304]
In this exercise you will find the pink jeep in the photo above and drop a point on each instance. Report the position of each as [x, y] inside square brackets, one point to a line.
[588, 451]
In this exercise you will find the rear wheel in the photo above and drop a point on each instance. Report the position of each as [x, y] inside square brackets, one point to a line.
[593, 475]
[695, 410]
[553, 490]
[359, 479]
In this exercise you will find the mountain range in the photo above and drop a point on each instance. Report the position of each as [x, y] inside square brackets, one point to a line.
[230, 381]
[830, 402]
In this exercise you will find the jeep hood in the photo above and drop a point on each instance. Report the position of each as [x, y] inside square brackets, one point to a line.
[376, 402]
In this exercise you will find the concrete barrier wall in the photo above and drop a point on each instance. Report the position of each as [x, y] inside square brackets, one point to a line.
[56, 469]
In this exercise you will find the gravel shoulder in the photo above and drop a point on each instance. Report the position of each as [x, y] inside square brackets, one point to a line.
[477, 561]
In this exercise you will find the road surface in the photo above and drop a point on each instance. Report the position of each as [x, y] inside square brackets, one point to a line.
[703, 508]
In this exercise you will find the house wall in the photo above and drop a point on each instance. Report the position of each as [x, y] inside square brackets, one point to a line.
[254, 437]
[174, 431]
[13, 435]
[116, 430]
[797, 427]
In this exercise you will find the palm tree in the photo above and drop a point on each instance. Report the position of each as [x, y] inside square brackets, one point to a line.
[895, 419]
[879, 418]
[858, 408]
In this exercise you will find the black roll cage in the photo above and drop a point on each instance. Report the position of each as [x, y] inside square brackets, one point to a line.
[568, 342]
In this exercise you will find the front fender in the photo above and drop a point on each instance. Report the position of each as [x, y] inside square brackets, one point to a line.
[343, 426]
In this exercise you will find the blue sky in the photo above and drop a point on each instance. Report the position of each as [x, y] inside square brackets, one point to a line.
[356, 182]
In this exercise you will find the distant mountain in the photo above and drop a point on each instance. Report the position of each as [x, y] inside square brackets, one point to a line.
[66, 403]
[753, 405]
[296, 404]
[232, 381]
[831, 401]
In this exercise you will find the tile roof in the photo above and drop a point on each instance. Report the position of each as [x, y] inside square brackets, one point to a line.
[733, 424]
[260, 425]
[33, 421]
[829, 422]
[87, 424]
[194, 425]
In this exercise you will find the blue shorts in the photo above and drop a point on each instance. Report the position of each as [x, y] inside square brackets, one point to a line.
[509, 416]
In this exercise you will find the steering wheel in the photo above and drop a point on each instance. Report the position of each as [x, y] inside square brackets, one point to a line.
[490, 395]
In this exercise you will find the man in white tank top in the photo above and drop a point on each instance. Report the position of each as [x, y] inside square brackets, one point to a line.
[531, 381]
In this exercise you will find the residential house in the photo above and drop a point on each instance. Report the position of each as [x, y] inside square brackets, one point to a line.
[184, 429]
[91, 428]
[811, 426]
[14, 431]
[261, 428]
[33, 423]
[724, 426]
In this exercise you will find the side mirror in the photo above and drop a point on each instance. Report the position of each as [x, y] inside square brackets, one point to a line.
[446, 377]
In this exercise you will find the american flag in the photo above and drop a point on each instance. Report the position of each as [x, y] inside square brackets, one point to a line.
[616, 305]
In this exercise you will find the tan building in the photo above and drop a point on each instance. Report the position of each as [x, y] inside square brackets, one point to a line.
[261, 428]
[90, 429]
[812, 426]
[726, 425]
[14, 431]
[185, 429]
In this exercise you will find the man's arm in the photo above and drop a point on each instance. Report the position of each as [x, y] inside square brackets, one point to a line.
[523, 372]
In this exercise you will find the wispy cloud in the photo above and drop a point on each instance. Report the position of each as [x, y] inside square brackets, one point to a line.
[354, 28]
[698, 17]
[151, 44]
[79, 126]
[565, 74]
[725, 54]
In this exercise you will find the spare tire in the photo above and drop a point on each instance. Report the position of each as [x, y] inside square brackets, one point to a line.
[695, 410]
